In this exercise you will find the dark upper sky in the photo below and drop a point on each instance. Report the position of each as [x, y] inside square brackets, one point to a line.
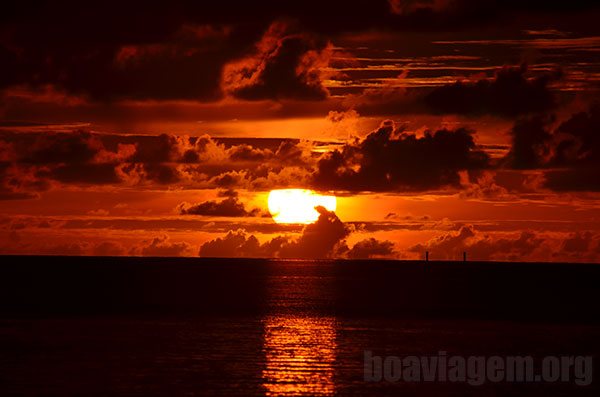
[114, 50]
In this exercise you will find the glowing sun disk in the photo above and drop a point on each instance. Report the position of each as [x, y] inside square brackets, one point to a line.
[298, 205]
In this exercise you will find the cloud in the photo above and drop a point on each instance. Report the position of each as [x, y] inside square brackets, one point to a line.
[6, 194]
[572, 180]
[579, 140]
[524, 245]
[451, 246]
[240, 244]
[29, 242]
[390, 159]
[509, 93]
[322, 239]
[76, 148]
[342, 124]
[33, 162]
[229, 179]
[284, 65]
[36, 161]
[179, 51]
[482, 185]
[227, 193]
[20, 182]
[162, 246]
[161, 148]
[530, 142]
[403, 7]
[390, 98]
[93, 174]
[581, 246]
[371, 248]
[229, 207]
[326, 238]
[169, 56]
[161, 173]
[578, 242]
[109, 248]
[70, 249]
[317, 240]
[569, 155]
[245, 152]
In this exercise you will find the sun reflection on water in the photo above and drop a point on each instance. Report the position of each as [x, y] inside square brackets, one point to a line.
[300, 355]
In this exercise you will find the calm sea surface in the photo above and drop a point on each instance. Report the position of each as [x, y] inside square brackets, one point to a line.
[292, 328]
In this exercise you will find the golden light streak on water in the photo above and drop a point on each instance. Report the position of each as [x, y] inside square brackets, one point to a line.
[300, 355]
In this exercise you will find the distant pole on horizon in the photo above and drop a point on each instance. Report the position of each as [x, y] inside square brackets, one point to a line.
[426, 256]
[464, 256]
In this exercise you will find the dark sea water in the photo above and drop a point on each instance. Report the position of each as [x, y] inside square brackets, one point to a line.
[169, 327]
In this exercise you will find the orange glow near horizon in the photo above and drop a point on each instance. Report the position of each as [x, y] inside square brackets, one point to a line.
[298, 205]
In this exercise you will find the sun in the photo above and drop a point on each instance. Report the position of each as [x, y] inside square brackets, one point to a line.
[298, 205]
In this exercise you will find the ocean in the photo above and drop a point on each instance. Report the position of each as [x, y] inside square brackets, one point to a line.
[237, 327]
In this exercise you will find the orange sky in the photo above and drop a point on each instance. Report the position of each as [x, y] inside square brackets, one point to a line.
[440, 126]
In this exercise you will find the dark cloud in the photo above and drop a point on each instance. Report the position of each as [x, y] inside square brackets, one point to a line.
[451, 246]
[55, 148]
[177, 49]
[32, 161]
[70, 249]
[87, 174]
[147, 173]
[162, 148]
[572, 180]
[326, 238]
[160, 173]
[78, 157]
[509, 93]
[389, 159]
[525, 245]
[108, 248]
[77, 147]
[239, 244]
[227, 193]
[404, 7]
[386, 100]
[579, 140]
[581, 246]
[323, 239]
[6, 194]
[231, 179]
[20, 182]
[244, 152]
[371, 248]
[530, 142]
[285, 65]
[150, 51]
[162, 246]
[289, 151]
[578, 242]
[229, 207]
[569, 155]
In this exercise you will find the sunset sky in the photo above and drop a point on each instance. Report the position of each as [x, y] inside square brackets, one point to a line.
[139, 128]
